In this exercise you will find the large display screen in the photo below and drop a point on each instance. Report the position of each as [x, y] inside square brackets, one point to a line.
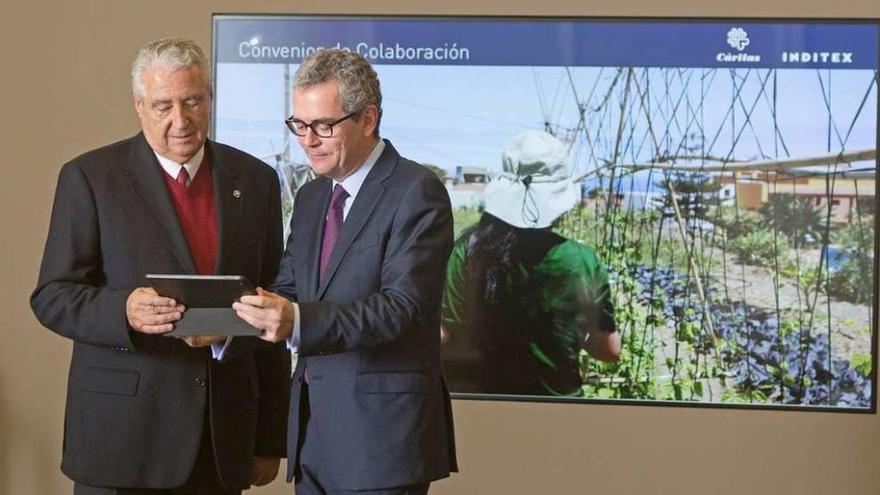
[674, 211]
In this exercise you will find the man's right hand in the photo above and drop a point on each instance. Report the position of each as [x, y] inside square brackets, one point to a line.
[270, 312]
[148, 312]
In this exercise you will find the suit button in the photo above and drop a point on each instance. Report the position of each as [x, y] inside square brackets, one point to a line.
[201, 382]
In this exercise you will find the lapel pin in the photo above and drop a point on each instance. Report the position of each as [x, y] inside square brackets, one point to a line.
[236, 193]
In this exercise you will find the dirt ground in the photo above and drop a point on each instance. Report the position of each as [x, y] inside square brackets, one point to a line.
[850, 323]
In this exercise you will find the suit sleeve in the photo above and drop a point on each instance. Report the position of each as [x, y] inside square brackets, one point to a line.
[70, 297]
[412, 275]
[273, 361]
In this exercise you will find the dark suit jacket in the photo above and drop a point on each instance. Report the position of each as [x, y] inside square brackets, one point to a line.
[380, 410]
[136, 403]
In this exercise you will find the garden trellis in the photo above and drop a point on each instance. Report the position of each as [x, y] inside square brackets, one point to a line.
[741, 252]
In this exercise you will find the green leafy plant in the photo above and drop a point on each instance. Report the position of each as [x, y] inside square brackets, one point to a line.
[735, 222]
[759, 247]
[849, 282]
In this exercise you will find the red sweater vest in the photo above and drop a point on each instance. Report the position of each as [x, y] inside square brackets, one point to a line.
[198, 216]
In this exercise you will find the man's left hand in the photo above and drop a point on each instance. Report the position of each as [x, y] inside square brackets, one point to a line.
[264, 470]
[271, 313]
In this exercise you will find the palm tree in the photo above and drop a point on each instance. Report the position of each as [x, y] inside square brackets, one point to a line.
[797, 218]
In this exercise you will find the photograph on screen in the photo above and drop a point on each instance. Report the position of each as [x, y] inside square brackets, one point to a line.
[645, 210]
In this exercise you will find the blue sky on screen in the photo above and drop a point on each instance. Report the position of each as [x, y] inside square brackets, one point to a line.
[463, 115]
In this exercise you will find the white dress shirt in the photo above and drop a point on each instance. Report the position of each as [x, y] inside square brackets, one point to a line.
[192, 166]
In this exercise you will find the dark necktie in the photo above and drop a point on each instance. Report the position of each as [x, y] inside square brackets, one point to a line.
[183, 177]
[332, 225]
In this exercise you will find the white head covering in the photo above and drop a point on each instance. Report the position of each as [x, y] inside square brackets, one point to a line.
[534, 188]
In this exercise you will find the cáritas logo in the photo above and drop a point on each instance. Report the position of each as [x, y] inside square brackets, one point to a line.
[738, 38]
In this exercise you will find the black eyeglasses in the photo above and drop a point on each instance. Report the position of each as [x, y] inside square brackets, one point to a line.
[320, 128]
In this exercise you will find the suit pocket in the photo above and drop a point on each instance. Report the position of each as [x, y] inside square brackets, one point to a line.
[111, 381]
[392, 383]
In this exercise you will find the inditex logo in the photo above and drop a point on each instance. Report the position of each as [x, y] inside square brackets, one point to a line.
[738, 38]
[817, 57]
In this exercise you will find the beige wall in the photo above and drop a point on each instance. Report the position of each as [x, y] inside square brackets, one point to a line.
[751, 194]
[65, 90]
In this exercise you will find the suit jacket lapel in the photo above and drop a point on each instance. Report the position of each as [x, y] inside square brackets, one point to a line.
[148, 185]
[229, 196]
[360, 212]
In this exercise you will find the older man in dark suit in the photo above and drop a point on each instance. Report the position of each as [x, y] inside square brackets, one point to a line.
[147, 413]
[364, 269]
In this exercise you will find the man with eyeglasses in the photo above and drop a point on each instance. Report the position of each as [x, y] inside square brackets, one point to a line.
[147, 413]
[358, 297]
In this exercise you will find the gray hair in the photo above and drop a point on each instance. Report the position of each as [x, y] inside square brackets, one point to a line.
[358, 82]
[170, 54]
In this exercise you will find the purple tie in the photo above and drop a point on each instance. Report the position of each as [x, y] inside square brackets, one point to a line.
[332, 225]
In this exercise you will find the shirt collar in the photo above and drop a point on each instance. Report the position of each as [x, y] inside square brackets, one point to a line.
[352, 184]
[172, 168]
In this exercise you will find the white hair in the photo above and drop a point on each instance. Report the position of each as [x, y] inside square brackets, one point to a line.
[170, 54]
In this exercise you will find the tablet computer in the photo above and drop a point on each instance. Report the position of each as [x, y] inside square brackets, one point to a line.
[208, 300]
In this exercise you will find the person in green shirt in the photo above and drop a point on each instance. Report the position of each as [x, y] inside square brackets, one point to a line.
[521, 301]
